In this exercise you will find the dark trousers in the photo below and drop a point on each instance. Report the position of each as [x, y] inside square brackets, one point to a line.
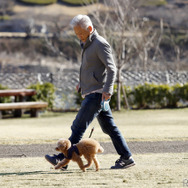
[91, 108]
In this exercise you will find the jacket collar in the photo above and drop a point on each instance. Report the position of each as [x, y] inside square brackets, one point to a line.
[89, 40]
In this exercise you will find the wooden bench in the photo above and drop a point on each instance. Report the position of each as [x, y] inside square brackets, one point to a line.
[33, 106]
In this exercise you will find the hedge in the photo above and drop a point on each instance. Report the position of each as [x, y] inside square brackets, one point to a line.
[45, 2]
[45, 92]
[157, 96]
[78, 2]
[4, 99]
[39, 2]
[150, 96]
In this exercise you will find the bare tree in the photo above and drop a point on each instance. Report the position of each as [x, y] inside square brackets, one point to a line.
[130, 36]
[6, 6]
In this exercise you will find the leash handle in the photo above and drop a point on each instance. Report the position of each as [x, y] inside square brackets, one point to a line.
[91, 132]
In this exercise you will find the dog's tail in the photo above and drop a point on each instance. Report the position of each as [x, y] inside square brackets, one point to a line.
[100, 150]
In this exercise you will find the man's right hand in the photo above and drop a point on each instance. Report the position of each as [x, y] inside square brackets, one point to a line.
[78, 89]
[106, 96]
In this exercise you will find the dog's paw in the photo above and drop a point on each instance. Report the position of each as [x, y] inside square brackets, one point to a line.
[56, 167]
[83, 169]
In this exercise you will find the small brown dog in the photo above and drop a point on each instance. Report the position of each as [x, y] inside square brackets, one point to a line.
[87, 147]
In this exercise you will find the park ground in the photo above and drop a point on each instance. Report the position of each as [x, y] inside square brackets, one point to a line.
[158, 140]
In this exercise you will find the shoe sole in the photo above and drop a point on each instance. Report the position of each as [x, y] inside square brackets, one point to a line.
[132, 164]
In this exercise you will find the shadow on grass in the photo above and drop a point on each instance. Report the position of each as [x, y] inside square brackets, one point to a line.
[30, 173]
[48, 172]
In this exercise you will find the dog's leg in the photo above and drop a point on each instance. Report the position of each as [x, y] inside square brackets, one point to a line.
[96, 163]
[81, 164]
[89, 159]
[62, 163]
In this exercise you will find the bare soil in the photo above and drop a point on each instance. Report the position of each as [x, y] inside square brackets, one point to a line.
[39, 150]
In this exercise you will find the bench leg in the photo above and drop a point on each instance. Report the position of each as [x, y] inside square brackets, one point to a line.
[1, 114]
[18, 113]
[34, 112]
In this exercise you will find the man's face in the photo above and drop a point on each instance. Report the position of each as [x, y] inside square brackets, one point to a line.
[81, 33]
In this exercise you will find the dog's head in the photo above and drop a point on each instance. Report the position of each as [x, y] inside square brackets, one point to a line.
[63, 145]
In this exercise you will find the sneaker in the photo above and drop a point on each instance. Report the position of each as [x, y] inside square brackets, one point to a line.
[54, 160]
[123, 163]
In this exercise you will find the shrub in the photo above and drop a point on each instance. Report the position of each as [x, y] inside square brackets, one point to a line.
[173, 96]
[78, 98]
[183, 92]
[113, 101]
[45, 92]
[78, 2]
[4, 99]
[160, 93]
[150, 96]
[142, 96]
[39, 2]
[153, 3]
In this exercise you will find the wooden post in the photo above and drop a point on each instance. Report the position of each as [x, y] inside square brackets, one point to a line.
[125, 97]
[34, 112]
[119, 89]
[18, 113]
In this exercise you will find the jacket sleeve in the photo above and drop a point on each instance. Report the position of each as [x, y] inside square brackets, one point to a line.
[105, 55]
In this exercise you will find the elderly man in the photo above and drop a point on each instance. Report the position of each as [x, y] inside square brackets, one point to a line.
[97, 76]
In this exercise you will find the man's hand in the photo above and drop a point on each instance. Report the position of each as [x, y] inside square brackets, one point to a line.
[106, 96]
[78, 88]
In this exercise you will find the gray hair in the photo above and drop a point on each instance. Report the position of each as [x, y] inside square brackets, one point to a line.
[81, 20]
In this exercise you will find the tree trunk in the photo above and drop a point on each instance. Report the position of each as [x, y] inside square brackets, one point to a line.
[125, 98]
[119, 89]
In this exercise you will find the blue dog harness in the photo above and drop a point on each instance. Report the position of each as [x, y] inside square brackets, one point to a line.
[71, 150]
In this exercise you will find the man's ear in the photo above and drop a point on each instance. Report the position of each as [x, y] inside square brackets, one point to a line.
[90, 29]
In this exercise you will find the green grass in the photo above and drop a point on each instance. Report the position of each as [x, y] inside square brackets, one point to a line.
[153, 2]
[44, 2]
[4, 17]
[78, 2]
[39, 2]
[151, 171]
[141, 125]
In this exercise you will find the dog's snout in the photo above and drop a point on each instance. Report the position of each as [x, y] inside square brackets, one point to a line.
[57, 149]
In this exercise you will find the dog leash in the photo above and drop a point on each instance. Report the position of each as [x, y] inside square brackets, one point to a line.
[91, 131]
[105, 107]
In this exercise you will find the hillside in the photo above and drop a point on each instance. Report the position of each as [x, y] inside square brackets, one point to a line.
[19, 55]
[173, 13]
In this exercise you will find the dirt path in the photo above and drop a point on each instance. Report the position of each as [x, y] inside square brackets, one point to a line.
[39, 150]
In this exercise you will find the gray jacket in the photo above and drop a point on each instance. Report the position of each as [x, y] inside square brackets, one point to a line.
[98, 70]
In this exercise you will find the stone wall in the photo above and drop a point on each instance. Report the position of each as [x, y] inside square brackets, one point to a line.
[68, 78]
[66, 81]
[156, 77]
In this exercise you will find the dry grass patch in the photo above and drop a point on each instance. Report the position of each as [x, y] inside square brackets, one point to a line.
[142, 125]
[152, 170]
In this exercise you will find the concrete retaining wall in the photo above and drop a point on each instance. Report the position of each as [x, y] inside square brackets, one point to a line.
[66, 81]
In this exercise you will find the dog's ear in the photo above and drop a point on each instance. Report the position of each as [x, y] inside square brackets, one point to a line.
[68, 144]
[64, 145]
[61, 146]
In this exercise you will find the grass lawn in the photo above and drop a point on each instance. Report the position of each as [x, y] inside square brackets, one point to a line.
[151, 170]
[141, 125]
